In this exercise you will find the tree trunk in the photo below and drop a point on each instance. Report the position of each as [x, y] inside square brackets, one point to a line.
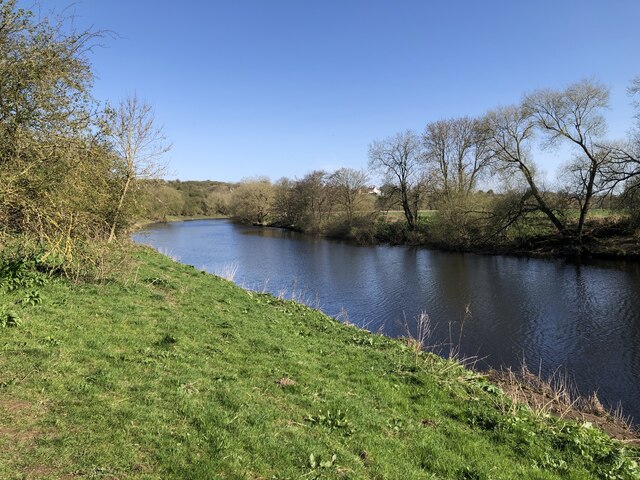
[541, 203]
[587, 202]
[112, 233]
[407, 208]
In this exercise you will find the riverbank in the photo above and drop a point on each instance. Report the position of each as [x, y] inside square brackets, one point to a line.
[605, 240]
[620, 247]
[167, 372]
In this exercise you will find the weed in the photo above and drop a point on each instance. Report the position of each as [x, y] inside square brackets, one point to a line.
[157, 282]
[32, 297]
[9, 318]
[318, 465]
[333, 420]
[553, 395]
[418, 342]
[167, 341]
[16, 274]
[229, 271]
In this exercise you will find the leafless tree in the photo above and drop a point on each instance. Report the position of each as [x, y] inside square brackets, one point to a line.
[139, 144]
[624, 167]
[634, 91]
[398, 159]
[457, 151]
[575, 114]
[508, 132]
[346, 184]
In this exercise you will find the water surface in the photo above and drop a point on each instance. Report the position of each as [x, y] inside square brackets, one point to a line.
[582, 319]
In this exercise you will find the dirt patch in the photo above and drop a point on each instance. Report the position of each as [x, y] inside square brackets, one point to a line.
[18, 435]
[286, 382]
[12, 406]
[40, 471]
[556, 398]
[21, 436]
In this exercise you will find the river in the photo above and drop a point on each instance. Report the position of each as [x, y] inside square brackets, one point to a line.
[578, 319]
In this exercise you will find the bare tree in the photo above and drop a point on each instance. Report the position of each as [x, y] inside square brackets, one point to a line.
[624, 167]
[457, 151]
[575, 115]
[634, 91]
[398, 159]
[139, 144]
[508, 132]
[347, 184]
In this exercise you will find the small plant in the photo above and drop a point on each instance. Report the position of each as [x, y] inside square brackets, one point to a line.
[9, 318]
[167, 341]
[336, 420]
[395, 425]
[157, 282]
[21, 273]
[362, 341]
[317, 462]
[32, 297]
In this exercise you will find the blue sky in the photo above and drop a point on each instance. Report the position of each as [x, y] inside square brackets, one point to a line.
[280, 88]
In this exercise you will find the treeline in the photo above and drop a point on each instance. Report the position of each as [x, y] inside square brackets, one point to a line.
[192, 198]
[451, 165]
[71, 169]
[340, 203]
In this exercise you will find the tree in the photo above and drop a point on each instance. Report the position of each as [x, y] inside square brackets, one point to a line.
[56, 168]
[624, 167]
[346, 184]
[162, 200]
[508, 132]
[575, 114]
[312, 195]
[398, 160]
[139, 145]
[251, 200]
[286, 206]
[457, 153]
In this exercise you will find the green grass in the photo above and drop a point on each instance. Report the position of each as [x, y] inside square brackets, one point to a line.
[399, 215]
[173, 373]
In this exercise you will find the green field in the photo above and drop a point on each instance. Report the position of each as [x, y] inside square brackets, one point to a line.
[168, 372]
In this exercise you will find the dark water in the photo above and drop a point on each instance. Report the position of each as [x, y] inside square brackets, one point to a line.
[579, 319]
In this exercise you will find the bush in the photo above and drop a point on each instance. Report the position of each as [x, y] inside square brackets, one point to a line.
[394, 233]
[27, 264]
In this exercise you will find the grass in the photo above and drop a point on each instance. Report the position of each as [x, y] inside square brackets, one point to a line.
[174, 373]
[395, 215]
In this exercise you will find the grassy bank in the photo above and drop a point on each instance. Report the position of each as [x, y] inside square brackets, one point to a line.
[167, 372]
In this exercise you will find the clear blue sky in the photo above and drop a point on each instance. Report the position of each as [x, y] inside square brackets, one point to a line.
[280, 88]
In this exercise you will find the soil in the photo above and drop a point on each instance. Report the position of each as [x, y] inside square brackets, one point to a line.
[525, 387]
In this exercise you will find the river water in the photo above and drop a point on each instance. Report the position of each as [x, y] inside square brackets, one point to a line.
[579, 319]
